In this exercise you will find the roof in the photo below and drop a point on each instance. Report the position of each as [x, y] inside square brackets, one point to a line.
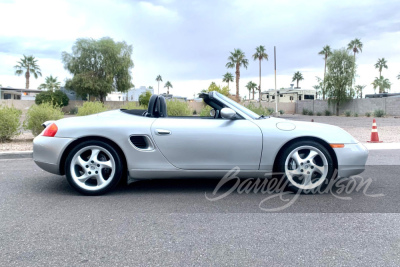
[20, 90]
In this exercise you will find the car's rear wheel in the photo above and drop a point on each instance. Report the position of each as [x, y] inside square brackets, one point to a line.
[307, 167]
[93, 167]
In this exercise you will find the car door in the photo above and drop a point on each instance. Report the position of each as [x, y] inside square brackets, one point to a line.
[208, 144]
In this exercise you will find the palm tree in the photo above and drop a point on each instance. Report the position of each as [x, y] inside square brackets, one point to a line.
[398, 77]
[359, 89]
[326, 52]
[355, 46]
[51, 84]
[29, 65]
[380, 64]
[236, 60]
[381, 83]
[227, 77]
[297, 77]
[251, 86]
[260, 55]
[159, 79]
[168, 85]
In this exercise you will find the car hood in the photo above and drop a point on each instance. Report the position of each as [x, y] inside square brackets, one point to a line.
[327, 132]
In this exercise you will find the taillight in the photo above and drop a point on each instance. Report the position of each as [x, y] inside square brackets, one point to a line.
[51, 130]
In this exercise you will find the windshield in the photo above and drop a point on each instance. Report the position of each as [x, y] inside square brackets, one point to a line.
[238, 106]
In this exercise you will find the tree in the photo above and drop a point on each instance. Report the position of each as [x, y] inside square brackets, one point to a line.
[51, 84]
[30, 66]
[359, 89]
[260, 55]
[339, 78]
[213, 87]
[150, 87]
[356, 46]
[380, 64]
[99, 67]
[297, 77]
[168, 85]
[159, 79]
[236, 60]
[326, 52]
[144, 98]
[320, 87]
[227, 77]
[398, 77]
[57, 98]
[251, 86]
[381, 83]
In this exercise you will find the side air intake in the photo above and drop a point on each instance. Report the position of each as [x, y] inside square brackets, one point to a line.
[139, 141]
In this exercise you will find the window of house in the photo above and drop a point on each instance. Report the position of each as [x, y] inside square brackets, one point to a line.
[308, 96]
[299, 97]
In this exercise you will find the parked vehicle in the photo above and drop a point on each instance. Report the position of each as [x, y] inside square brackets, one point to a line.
[95, 152]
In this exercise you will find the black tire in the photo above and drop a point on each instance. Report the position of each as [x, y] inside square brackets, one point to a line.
[103, 179]
[297, 183]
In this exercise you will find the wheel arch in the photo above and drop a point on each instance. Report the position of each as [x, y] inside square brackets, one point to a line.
[68, 149]
[307, 138]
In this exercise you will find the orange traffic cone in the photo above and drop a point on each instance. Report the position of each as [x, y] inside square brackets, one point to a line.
[374, 133]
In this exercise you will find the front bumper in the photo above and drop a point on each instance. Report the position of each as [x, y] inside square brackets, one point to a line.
[47, 152]
[351, 159]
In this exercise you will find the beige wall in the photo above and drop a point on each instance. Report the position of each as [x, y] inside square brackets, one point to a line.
[25, 105]
[287, 107]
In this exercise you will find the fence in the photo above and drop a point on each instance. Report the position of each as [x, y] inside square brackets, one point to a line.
[390, 105]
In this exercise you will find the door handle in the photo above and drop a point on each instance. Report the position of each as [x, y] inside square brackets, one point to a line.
[162, 132]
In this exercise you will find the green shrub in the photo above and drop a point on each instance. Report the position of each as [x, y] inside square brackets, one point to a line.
[328, 112]
[310, 112]
[144, 99]
[9, 122]
[89, 108]
[379, 113]
[281, 112]
[305, 111]
[194, 112]
[356, 114]
[178, 108]
[37, 114]
[258, 109]
[319, 113]
[73, 111]
[57, 98]
[133, 105]
[347, 113]
[205, 112]
[368, 114]
[270, 110]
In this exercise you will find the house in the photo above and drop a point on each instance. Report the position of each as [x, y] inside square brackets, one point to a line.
[290, 94]
[71, 94]
[18, 94]
[131, 95]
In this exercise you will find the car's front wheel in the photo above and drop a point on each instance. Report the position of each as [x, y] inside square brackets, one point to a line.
[93, 167]
[307, 167]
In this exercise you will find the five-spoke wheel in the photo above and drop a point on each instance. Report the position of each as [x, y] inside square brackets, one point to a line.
[93, 167]
[306, 165]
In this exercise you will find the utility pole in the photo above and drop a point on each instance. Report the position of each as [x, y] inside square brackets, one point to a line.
[276, 91]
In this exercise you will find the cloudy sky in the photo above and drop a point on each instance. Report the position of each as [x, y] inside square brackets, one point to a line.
[188, 42]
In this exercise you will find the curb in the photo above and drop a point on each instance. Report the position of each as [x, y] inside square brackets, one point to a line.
[16, 155]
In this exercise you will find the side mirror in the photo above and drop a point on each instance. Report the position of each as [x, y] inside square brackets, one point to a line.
[228, 113]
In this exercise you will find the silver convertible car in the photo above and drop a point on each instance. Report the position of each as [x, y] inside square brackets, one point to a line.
[95, 152]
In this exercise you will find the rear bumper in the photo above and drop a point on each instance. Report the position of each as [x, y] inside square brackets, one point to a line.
[47, 152]
[351, 159]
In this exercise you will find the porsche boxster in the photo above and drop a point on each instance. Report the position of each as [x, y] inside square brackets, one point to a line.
[95, 152]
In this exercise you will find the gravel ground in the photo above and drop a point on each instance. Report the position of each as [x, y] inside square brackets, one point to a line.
[359, 127]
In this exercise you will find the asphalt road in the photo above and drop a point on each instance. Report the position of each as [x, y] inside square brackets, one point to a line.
[44, 222]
